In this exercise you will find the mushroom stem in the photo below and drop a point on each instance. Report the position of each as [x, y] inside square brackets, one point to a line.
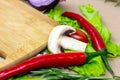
[72, 44]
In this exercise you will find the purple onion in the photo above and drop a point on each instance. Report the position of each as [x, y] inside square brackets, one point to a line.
[44, 4]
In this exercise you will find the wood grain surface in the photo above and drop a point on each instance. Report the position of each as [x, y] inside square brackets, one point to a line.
[24, 31]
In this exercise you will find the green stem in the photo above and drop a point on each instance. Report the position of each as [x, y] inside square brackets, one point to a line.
[103, 53]
[91, 55]
[106, 63]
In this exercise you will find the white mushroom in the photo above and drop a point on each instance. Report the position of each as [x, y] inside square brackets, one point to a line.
[72, 44]
[54, 37]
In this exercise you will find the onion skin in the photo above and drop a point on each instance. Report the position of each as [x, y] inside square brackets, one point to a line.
[45, 7]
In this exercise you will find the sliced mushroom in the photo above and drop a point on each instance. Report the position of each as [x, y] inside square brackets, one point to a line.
[72, 44]
[54, 37]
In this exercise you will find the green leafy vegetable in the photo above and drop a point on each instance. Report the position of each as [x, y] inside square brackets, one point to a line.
[96, 63]
[93, 68]
[56, 13]
[47, 51]
[113, 48]
[94, 18]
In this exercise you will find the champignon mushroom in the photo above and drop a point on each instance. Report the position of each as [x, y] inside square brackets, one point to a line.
[54, 37]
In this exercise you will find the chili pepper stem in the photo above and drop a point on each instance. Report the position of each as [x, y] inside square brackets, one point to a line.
[103, 53]
[105, 61]
[91, 55]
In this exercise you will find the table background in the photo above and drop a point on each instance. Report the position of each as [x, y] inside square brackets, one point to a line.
[110, 17]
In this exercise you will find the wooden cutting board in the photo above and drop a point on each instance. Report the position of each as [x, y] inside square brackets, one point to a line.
[23, 31]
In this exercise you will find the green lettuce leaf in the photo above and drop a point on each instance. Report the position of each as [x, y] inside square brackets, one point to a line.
[113, 48]
[94, 18]
[94, 67]
[56, 13]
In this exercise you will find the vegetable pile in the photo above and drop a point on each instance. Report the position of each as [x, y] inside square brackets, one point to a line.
[96, 64]
[96, 38]
[79, 44]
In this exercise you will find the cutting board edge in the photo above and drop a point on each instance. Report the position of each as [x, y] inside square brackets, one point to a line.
[22, 58]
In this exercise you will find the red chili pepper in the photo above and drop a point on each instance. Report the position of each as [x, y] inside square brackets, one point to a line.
[48, 61]
[96, 38]
[79, 35]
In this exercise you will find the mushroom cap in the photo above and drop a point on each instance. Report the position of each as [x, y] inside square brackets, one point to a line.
[55, 35]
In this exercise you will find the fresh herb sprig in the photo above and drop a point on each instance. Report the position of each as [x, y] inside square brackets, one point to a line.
[117, 2]
[55, 74]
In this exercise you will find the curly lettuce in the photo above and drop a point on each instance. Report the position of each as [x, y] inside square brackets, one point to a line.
[56, 14]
